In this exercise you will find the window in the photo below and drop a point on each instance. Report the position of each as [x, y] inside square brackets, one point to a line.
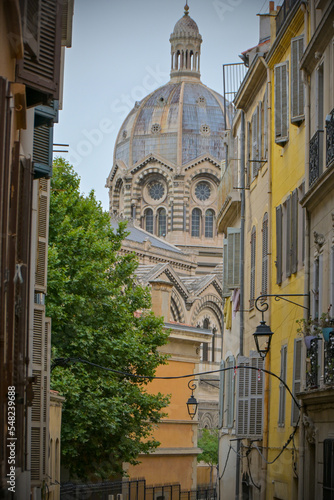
[282, 389]
[149, 220]
[206, 325]
[209, 218]
[196, 222]
[248, 156]
[162, 222]
[213, 346]
[252, 272]
[250, 393]
[256, 127]
[281, 103]
[156, 190]
[231, 259]
[229, 393]
[297, 86]
[203, 191]
[264, 289]
[296, 382]
[265, 125]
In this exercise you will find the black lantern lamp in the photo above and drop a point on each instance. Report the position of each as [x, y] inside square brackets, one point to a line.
[263, 334]
[192, 401]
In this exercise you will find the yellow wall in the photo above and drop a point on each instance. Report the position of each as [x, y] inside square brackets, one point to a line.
[287, 168]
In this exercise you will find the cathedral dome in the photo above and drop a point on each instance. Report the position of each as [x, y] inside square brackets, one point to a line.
[179, 121]
[186, 26]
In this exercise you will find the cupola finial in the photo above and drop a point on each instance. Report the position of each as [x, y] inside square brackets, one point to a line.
[186, 8]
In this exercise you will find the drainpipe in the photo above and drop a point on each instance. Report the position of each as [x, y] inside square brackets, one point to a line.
[242, 273]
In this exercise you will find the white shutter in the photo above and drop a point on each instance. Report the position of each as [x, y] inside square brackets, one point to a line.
[229, 392]
[243, 401]
[252, 270]
[297, 374]
[281, 103]
[297, 86]
[250, 397]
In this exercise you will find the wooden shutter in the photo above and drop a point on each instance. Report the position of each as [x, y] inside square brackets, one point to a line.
[256, 398]
[242, 397]
[41, 74]
[281, 103]
[248, 153]
[294, 231]
[282, 389]
[250, 395]
[252, 270]
[259, 140]
[255, 151]
[229, 391]
[264, 289]
[297, 86]
[43, 141]
[297, 374]
[233, 257]
[221, 394]
[265, 125]
[42, 246]
[279, 244]
[288, 236]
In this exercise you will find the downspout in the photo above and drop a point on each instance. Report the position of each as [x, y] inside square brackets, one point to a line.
[242, 273]
[307, 245]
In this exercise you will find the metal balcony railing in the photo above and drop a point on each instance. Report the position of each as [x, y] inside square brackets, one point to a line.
[284, 11]
[330, 138]
[316, 156]
[320, 365]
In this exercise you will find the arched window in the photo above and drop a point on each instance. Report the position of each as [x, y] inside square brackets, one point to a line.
[149, 220]
[209, 218]
[162, 222]
[196, 222]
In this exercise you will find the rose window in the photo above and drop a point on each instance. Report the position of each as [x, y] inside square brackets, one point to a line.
[203, 191]
[156, 190]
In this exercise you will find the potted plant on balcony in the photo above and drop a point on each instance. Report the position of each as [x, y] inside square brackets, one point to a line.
[309, 329]
[326, 324]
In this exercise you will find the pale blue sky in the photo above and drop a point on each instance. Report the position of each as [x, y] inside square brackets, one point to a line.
[121, 52]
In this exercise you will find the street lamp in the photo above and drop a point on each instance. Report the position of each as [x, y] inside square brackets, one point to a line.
[192, 403]
[263, 333]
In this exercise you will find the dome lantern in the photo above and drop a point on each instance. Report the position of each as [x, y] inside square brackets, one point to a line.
[185, 47]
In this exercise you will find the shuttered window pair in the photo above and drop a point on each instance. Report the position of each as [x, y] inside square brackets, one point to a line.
[231, 259]
[250, 394]
[252, 270]
[281, 88]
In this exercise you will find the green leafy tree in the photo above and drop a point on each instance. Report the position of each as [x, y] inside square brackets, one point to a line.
[209, 444]
[93, 301]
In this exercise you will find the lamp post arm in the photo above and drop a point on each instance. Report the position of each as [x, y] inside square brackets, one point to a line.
[279, 296]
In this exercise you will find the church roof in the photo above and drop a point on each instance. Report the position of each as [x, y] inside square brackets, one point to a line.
[140, 235]
[179, 121]
[186, 25]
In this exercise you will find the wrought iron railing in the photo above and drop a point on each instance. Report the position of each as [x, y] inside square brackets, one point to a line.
[329, 361]
[312, 373]
[283, 12]
[330, 138]
[316, 155]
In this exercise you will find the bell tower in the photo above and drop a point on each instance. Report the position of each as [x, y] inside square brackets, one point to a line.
[185, 47]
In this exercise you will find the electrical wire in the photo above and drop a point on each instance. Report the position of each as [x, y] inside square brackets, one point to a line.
[64, 361]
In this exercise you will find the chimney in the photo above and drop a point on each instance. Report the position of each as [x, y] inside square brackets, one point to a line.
[161, 298]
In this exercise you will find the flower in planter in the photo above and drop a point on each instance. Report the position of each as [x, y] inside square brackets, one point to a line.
[308, 327]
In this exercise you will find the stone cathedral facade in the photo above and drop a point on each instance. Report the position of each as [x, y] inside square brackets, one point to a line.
[164, 179]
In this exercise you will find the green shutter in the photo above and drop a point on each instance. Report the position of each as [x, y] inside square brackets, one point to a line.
[279, 244]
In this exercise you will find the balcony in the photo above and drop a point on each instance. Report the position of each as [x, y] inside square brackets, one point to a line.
[320, 364]
[228, 196]
[316, 156]
[283, 13]
[330, 138]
